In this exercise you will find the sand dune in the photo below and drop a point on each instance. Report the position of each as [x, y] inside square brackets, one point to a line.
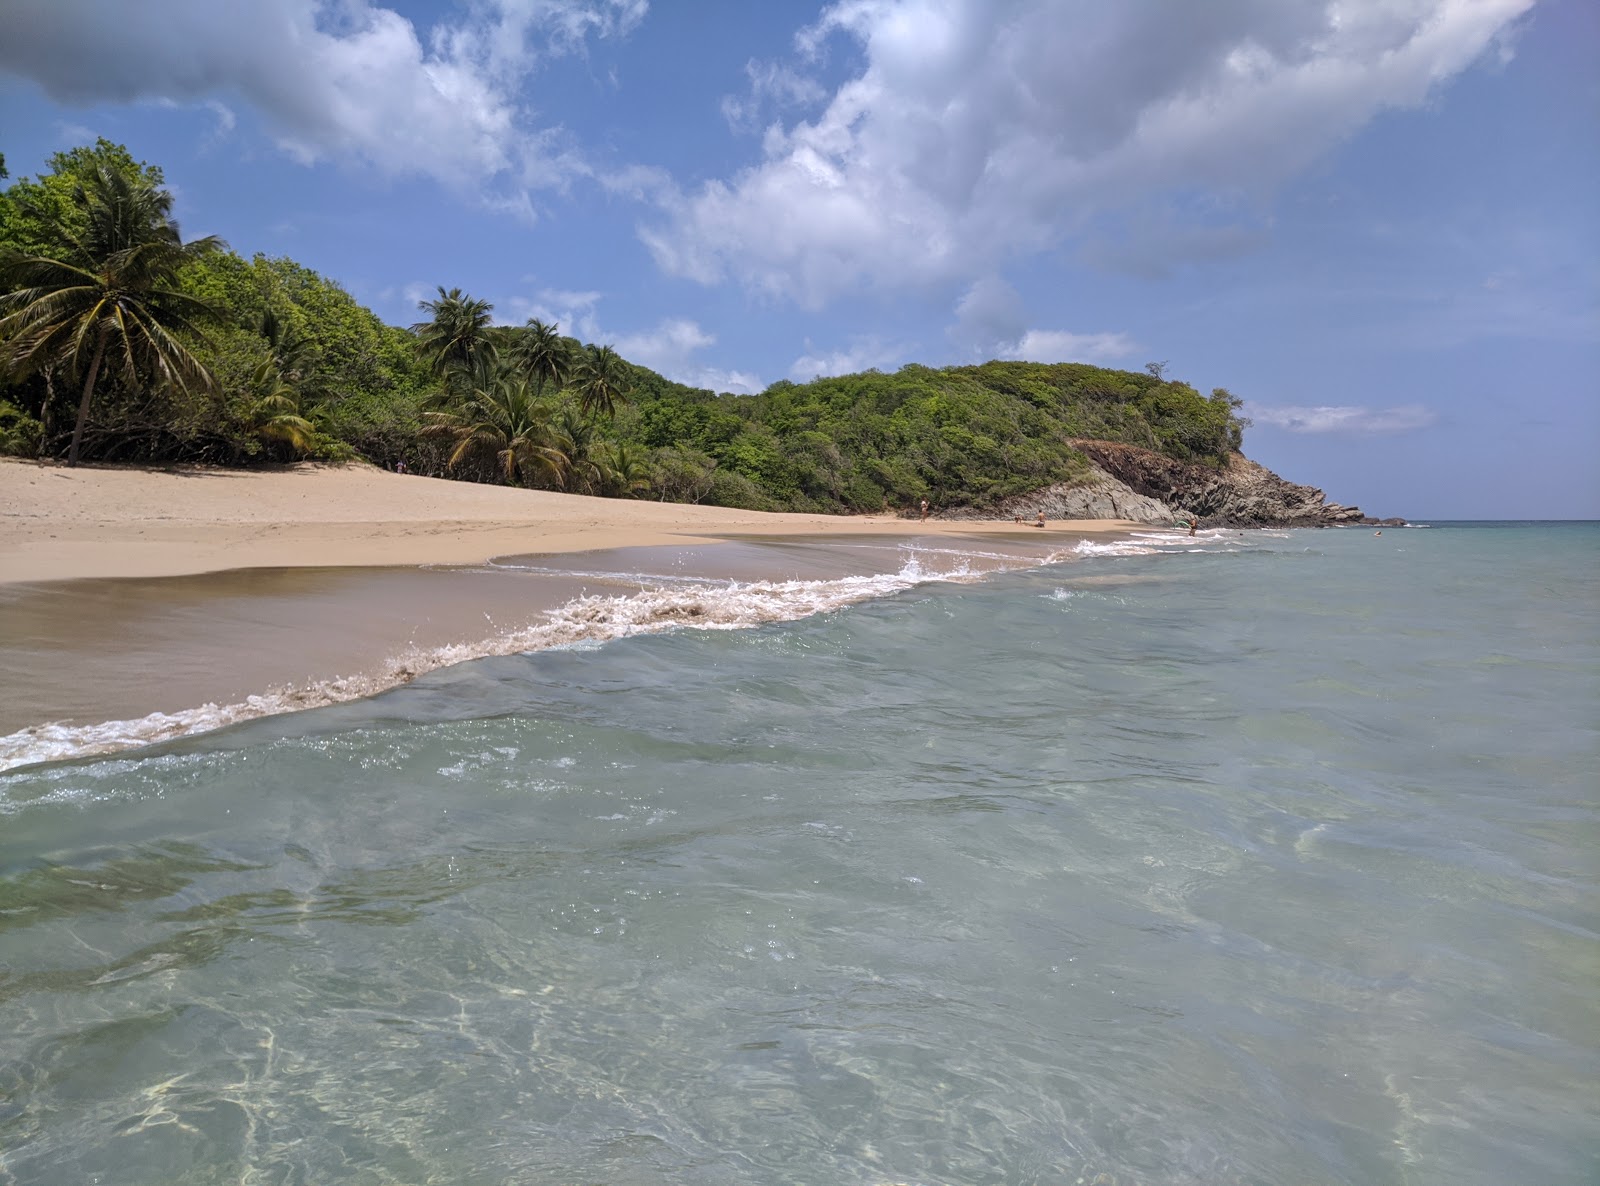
[58, 523]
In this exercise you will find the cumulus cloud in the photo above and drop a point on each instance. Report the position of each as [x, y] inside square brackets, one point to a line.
[976, 130]
[771, 86]
[862, 354]
[991, 322]
[332, 79]
[671, 348]
[1056, 345]
[1350, 420]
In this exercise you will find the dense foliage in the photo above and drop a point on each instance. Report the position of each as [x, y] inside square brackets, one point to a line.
[287, 365]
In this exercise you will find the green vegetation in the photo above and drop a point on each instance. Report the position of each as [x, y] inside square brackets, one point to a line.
[121, 342]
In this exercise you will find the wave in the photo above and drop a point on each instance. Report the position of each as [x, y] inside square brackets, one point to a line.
[687, 603]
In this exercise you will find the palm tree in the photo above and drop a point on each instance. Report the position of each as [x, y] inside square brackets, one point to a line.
[457, 337]
[585, 468]
[506, 424]
[600, 378]
[542, 354]
[293, 355]
[274, 411]
[110, 300]
[626, 471]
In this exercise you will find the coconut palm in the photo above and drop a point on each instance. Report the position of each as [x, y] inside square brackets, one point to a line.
[627, 472]
[293, 355]
[274, 415]
[600, 379]
[457, 338]
[575, 435]
[109, 302]
[507, 425]
[542, 354]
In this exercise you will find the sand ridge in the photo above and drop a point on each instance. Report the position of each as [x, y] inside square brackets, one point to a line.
[58, 523]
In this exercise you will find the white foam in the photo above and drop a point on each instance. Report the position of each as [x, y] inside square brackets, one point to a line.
[588, 621]
[1127, 547]
[678, 602]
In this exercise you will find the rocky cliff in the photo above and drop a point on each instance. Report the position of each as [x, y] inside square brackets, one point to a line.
[1242, 494]
[1127, 482]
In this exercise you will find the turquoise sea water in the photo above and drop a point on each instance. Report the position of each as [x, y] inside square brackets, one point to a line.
[1272, 861]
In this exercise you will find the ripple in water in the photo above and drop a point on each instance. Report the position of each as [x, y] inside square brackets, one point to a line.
[1141, 869]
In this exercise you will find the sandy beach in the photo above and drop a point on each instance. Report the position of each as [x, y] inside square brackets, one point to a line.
[138, 605]
[58, 523]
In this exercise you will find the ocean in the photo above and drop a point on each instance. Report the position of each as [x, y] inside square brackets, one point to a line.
[1263, 857]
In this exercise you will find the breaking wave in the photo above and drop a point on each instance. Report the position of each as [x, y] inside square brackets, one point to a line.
[691, 603]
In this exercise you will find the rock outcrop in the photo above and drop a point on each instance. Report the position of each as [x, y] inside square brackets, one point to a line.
[1101, 497]
[1241, 494]
[1126, 482]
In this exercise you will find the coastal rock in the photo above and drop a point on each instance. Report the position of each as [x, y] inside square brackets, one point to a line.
[1100, 497]
[1240, 494]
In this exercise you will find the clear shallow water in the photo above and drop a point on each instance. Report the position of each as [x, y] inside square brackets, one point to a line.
[1272, 862]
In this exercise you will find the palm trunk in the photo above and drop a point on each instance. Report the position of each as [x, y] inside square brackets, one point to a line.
[45, 413]
[88, 393]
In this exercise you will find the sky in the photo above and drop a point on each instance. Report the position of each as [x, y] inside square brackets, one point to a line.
[1376, 221]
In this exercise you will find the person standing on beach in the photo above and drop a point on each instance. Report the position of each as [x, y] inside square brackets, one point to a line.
[1194, 524]
[924, 510]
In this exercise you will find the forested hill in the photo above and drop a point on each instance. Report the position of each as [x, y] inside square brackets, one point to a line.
[120, 341]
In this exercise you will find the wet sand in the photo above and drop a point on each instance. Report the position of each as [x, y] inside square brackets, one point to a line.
[216, 596]
[84, 651]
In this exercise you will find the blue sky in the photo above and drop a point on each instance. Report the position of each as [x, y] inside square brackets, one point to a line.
[1378, 221]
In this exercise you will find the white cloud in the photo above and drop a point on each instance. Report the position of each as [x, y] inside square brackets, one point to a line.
[991, 322]
[864, 353]
[977, 130]
[1056, 345]
[670, 348]
[573, 312]
[1351, 420]
[771, 85]
[332, 79]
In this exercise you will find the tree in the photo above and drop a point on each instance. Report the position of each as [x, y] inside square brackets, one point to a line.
[625, 470]
[273, 415]
[456, 339]
[1230, 406]
[507, 425]
[574, 436]
[542, 354]
[600, 379]
[41, 216]
[110, 298]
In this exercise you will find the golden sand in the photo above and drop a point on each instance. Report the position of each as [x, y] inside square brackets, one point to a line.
[58, 523]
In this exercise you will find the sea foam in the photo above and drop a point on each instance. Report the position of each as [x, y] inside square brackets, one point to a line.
[686, 603]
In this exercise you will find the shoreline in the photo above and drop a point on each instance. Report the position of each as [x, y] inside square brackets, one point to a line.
[59, 524]
[103, 663]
